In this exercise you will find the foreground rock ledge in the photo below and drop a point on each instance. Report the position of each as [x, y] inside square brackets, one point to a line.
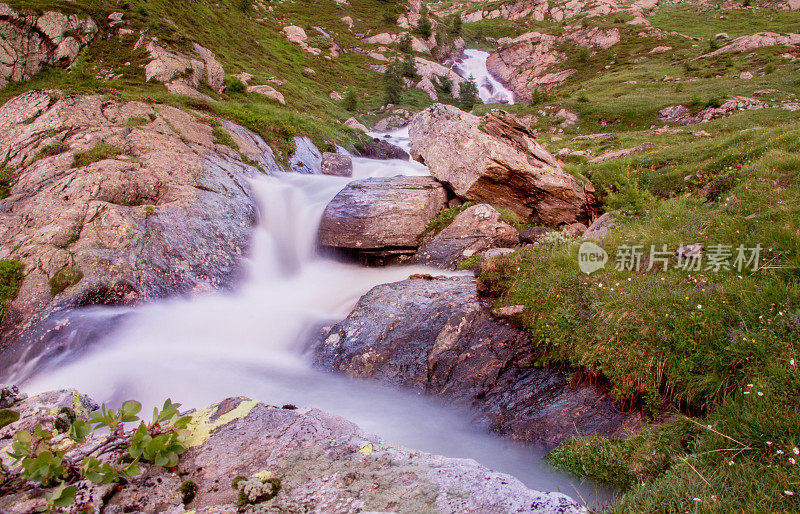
[434, 336]
[326, 464]
[496, 160]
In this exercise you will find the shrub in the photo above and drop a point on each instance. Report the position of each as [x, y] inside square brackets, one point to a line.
[66, 277]
[236, 86]
[408, 68]
[444, 83]
[320, 41]
[424, 28]
[393, 85]
[244, 6]
[99, 152]
[404, 44]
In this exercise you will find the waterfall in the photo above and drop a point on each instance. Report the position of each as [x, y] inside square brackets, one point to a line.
[491, 91]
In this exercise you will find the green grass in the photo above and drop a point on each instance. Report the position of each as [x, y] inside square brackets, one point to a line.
[7, 417]
[692, 339]
[66, 277]
[10, 281]
[50, 150]
[99, 152]
[445, 218]
[223, 137]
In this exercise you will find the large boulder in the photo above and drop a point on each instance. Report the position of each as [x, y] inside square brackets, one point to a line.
[495, 159]
[321, 463]
[476, 229]
[385, 216]
[117, 202]
[375, 148]
[30, 42]
[433, 335]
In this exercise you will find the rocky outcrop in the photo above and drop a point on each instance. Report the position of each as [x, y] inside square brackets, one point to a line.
[495, 159]
[115, 198]
[531, 61]
[381, 216]
[434, 336]
[29, 41]
[523, 63]
[599, 229]
[307, 158]
[323, 463]
[476, 229]
[619, 154]
[683, 115]
[178, 68]
[268, 91]
[758, 40]
[337, 165]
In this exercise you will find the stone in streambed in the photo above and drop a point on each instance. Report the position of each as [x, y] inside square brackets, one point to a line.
[434, 336]
[476, 229]
[381, 216]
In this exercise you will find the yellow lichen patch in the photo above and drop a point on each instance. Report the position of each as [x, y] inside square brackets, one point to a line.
[201, 425]
[263, 475]
[366, 449]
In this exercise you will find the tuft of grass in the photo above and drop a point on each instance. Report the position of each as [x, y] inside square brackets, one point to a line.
[99, 152]
[223, 137]
[50, 150]
[469, 262]
[137, 121]
[66, 277]
[7, 417]
[11, 275]
[445, 218]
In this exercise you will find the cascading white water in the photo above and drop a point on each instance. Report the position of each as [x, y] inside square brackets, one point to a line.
[491, 91]
[200, 350]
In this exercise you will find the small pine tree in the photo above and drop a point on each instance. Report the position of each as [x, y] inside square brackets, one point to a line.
[468, 94]
[455, 25]
[409, 67]
[404, 44]
[351, 101]
[424, 28]
[445, 83]
[393, 85]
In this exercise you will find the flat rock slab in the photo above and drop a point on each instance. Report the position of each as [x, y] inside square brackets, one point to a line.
[381, 213]
[434, 336]
[325, 464]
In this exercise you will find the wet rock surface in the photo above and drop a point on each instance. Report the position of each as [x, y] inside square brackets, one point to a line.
[496, 159]
[476, 229]
[381, 215]
[434, 336]
[322, 463]
[118, 194]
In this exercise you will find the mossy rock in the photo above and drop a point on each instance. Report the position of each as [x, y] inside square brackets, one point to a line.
[66, 277]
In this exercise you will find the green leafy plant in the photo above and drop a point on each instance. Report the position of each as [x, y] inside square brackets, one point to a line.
[97, 448]
[223, 137]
